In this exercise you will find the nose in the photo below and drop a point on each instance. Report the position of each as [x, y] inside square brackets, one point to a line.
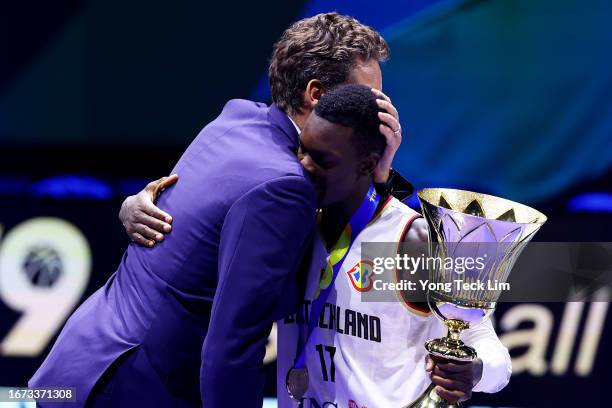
[308, 164]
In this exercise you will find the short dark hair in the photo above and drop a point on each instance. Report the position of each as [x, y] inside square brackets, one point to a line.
[354, 106]
[323, 47]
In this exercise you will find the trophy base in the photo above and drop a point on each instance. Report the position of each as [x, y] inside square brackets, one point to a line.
[431, 399]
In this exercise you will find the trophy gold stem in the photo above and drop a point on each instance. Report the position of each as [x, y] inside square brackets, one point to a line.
[447, 348]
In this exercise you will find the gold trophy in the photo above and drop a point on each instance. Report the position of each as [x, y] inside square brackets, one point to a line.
[463, 223]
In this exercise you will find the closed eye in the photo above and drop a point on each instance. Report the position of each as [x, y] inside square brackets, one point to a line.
[324, 160]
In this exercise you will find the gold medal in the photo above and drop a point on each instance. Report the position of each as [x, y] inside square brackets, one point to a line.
[297, 382]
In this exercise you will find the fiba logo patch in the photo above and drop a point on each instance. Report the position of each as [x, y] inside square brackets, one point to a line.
[43, 266]
[360, 275]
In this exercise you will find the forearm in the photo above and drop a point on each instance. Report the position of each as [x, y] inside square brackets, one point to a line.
[223, 384]
[263, 239]
[496, 363]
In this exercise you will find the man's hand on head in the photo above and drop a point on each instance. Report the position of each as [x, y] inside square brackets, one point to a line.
[454, 381]
[392, 130]
[144, 223]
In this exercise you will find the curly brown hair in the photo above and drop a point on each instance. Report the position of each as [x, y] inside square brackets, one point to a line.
[323, 47]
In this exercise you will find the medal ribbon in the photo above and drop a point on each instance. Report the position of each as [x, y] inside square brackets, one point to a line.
[358, 221]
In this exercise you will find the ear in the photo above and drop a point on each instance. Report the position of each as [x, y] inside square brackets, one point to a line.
[368, 164]
[314, 91]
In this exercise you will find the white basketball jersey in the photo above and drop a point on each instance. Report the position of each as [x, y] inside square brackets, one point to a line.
[361, 354]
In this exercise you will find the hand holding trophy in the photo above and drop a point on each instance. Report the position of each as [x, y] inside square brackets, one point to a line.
[465, 224]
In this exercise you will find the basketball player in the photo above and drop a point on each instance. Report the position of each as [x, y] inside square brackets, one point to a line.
[366, 354]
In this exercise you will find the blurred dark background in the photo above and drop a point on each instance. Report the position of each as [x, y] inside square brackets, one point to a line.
[508, 97]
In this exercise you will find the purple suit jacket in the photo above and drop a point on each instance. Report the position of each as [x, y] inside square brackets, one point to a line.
[200, 304]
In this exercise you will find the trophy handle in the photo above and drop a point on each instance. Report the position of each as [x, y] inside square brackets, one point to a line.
[447, 348]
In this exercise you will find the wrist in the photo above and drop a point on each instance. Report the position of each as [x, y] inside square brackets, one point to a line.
[382, 176]
[476, 371]
[124, 210]
[384, 184]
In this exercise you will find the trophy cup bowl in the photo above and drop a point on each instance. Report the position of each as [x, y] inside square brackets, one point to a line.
[463, 223]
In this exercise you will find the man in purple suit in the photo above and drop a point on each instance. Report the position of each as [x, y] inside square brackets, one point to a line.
[185, 323]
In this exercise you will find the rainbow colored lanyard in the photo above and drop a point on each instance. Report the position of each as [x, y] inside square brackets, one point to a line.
[358, 222]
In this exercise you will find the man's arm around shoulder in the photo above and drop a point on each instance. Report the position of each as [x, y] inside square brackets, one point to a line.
[263, 238]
